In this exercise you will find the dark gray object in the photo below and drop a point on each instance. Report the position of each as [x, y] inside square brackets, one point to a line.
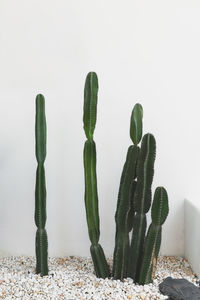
[179, 289]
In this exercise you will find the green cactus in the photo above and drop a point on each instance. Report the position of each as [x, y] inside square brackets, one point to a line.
[142, 203]
[136, 124]
[91, 196]
[138, 258]
[125, 206]
[90, 104]
[159, 214]
[40, 188]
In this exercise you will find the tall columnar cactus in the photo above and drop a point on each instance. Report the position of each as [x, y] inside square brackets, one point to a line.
[91, 196]
[142, 203]
[125, 206]
[40, 188]
[159, 214]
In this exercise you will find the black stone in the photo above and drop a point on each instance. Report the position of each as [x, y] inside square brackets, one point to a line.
[179, 289]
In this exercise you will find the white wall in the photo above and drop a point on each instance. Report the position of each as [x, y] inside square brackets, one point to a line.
[142, 51]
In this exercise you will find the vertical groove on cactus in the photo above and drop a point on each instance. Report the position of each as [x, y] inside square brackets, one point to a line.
[159, 214]
[142, 203]
[40, 188]
[91, 195]
[132, 208]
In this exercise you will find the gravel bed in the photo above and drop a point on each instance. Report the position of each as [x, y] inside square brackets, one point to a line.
[72, 278]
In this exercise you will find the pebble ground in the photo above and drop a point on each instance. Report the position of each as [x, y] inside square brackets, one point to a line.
[72, 278]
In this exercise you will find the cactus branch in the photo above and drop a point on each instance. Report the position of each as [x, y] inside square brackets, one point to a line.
[142, 203]
[159, 214]
[125, 205]
[122, 216]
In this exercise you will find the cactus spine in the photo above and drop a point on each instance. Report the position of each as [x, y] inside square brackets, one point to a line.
[159, 214]
[142, 203]
[125, 206]
[40, 188]
[91, 195]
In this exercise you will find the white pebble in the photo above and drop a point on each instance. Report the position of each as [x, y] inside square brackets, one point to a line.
[73, 278]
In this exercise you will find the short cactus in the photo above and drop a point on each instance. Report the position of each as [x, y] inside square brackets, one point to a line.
[159, 214]
[40, 188]
[91, 196]
[125, 207]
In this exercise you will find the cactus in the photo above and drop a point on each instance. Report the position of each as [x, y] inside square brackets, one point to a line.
[125, 206]
[159, 212]
[91, 196]
[135, 259]
[142, 203]
[40, 188]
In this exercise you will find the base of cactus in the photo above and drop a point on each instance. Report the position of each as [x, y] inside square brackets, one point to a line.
[41, 249]
[99, 260]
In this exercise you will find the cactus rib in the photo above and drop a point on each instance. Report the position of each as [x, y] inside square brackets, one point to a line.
[132, 208]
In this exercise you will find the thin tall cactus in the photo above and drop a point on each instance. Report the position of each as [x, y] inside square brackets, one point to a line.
[142, 203]
[125, 206]
[40, 188]
[91, 195]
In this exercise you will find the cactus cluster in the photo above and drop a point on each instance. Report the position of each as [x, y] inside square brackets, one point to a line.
[142, 250]
[40, 188]
[135, 257]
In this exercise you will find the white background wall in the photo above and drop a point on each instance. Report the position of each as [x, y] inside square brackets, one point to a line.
[142, 51]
